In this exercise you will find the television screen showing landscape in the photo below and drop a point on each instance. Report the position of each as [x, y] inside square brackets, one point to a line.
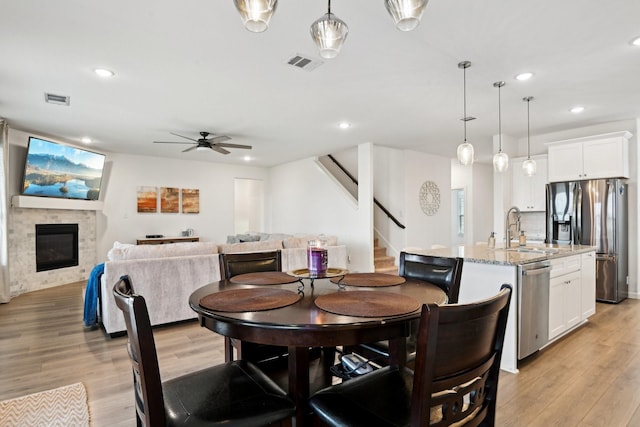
[57, 170]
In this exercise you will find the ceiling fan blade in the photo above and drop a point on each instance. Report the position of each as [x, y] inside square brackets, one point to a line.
[219, 149]
[190, 149]
[248, 147]
[217, 139]
[185, 137]
[172, 142]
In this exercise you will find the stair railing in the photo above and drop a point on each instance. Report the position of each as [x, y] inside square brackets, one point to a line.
[377, 203]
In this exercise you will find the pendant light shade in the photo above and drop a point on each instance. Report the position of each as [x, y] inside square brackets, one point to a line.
[465, 150]
[500, 160]
[256, 14]
[406, 13]
[529, 165]
[329, 34]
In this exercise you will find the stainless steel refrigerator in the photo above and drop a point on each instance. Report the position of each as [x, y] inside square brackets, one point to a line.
[593, 213]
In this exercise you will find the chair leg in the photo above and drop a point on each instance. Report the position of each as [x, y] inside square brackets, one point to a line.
[228, 350]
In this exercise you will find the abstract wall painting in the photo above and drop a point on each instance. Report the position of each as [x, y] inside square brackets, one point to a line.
[169, 200]
[190, 201]
[147, 199]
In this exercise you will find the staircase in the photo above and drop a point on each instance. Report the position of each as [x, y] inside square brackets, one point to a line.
[381, 261]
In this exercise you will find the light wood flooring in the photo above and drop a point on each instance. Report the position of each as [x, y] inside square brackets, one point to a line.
[589, 378]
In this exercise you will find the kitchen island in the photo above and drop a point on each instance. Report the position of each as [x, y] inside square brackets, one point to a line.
[569, 294]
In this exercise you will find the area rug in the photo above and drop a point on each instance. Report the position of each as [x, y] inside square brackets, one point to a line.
[65, 406]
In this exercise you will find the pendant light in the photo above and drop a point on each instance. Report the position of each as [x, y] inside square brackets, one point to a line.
[329, 34]
[405, 13]
[529, 165]
[500, 160]
[256, 14]
[465, 150]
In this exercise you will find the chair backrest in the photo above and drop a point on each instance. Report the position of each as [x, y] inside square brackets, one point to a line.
[147, 384]
[441, 271]
[458, 361]
[233, 264]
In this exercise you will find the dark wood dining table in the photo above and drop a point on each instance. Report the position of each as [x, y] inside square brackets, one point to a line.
[382, 312]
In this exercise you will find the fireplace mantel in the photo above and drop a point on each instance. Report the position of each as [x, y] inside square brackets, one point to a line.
[18, 201]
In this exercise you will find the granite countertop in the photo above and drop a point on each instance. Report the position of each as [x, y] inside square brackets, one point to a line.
[532, 253]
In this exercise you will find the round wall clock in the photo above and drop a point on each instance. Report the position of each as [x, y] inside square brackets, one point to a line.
[429, 198]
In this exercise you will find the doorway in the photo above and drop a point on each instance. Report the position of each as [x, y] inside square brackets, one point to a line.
[248, 205]
[458, 216]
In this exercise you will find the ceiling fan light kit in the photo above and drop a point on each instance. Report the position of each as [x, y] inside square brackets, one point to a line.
[215, 143]
[256, 14]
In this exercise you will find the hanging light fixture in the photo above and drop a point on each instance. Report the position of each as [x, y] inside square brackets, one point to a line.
[256, 13]
[465, 150]
[329, 34]
[406, 13]
[529, 165]
[500, 160]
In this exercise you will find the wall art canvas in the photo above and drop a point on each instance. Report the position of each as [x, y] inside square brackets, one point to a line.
[169, 200]
[190, 200]
[147, 199]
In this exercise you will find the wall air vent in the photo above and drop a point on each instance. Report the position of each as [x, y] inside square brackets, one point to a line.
[56, 99]
[304, 62]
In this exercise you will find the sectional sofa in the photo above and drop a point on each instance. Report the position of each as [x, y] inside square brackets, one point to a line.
[166, 275]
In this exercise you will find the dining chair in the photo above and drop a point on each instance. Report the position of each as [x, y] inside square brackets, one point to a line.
[454, 382]
[443, 272]
[234, 264]
[232, 394]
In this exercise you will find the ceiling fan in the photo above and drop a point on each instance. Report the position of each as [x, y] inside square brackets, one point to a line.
[215, 143]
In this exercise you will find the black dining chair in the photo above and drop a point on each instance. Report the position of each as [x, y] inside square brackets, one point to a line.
[234, 264]
[443, 272]
[232, 394]
[455, 380]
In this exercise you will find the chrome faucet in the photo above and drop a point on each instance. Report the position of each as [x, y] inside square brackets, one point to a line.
[507, 225]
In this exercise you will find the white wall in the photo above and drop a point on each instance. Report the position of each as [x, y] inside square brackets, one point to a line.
[304, 200]
[120, 221]
[388, 184]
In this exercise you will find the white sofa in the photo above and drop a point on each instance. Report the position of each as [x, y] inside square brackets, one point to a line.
[166, 275]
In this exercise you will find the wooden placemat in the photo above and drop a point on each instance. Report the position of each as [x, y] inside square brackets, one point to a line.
[367, 303]
[253, 299]
[264, 278]
[369, 279]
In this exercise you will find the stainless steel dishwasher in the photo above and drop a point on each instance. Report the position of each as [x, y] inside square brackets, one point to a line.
[533, 307]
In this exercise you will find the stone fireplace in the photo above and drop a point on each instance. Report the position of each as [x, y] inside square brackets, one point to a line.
[23, 272]
[56, 246]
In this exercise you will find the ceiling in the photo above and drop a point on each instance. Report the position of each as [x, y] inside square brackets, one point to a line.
[190, 66]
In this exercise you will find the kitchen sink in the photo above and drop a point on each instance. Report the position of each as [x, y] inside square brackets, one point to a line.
[534, 250]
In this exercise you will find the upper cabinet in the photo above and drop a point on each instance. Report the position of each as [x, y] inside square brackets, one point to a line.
[529, 192]
[599, 156]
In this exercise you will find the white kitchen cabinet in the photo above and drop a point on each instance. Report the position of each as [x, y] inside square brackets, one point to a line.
[599, 156]
[529, 192]
[565, 301]
[588, 284]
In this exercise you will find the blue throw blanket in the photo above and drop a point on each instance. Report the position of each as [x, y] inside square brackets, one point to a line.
[91, 296]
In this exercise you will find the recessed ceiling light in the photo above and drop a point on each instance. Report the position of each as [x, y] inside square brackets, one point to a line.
[87, 140]
[103, 72]
[636, 41]
[344, 125]
[577, 110]
[247, 158]
[524, 76]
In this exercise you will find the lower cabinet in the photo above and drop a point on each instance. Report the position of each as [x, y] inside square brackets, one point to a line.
[588, 279]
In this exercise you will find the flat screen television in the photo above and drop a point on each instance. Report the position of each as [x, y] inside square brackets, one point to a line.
[58, 170]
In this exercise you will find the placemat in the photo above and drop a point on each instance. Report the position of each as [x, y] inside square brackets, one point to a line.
[369, 279]
[367, 303]
[263, 278]
[253, 299]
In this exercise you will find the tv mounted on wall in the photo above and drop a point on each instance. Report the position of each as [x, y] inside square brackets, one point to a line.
[63, 171]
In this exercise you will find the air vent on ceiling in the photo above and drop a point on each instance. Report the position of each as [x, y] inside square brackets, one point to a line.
[304, 62]
[56, 99]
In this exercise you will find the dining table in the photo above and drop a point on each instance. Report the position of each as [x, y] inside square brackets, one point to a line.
[300, 312]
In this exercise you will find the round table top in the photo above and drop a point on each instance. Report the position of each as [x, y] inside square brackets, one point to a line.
[303, 322]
